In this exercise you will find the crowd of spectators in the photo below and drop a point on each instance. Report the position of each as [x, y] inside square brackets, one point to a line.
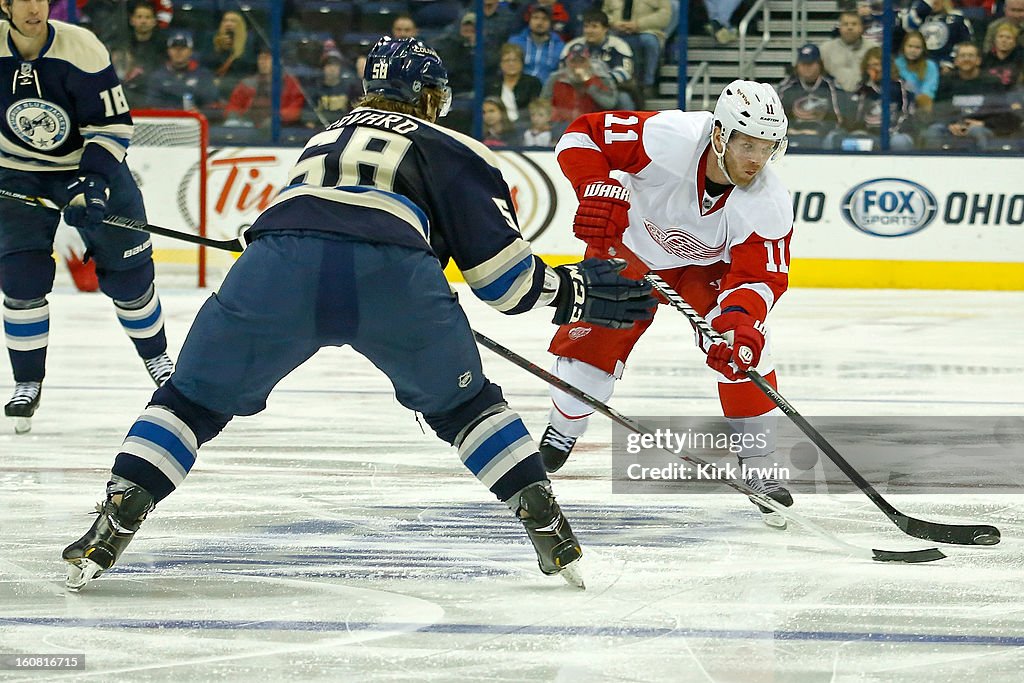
[212, 56]
[955, 82]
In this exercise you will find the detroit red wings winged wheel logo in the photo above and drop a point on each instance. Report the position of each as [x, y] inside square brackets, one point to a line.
[678, 242]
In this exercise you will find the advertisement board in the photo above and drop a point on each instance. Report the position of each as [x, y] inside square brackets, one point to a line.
[860, 221]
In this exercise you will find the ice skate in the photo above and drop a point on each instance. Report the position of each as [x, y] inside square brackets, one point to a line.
[119, 518]
[777, 492]
[160, 368]
[555, 448]
[558, 551]
[23, 404]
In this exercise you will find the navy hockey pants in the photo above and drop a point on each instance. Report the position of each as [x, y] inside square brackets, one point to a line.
[27, 228]
[288, 295]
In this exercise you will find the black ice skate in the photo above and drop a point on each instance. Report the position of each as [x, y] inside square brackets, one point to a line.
[770, 488]
[160, 368]
[97, 551]
[23, 404]
[558, 551]
[555, 448]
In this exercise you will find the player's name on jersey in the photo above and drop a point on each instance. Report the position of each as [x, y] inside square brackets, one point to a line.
[399, 123]
[684, 471]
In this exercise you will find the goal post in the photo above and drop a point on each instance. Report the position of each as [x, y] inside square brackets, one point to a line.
[168, 156]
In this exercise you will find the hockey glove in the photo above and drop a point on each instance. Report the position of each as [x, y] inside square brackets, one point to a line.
[744, 341]
[592, 291]
[88, 205]
[602, 214]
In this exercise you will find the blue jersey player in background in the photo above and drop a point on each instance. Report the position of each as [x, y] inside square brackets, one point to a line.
[64, 131]
[351, 252]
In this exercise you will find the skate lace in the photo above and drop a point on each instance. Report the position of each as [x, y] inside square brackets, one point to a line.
[763, 486]
[24, 393]
[160, 368]
[553, 437]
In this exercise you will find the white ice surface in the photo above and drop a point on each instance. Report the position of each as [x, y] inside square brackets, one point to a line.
[330, 539]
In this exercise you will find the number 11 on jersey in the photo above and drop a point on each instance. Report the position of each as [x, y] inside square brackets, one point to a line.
[779, 264]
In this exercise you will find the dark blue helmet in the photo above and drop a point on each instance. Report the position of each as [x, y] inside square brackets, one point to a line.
[399, 69]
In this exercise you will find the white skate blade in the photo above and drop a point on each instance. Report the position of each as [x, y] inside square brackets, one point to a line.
[22, 425]
[774, 520]
[80, 573]
[573, 575]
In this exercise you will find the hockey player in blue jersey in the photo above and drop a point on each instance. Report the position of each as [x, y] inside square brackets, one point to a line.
[64, 130]
[351, 252]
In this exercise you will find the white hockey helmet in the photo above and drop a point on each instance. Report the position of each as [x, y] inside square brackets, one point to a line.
[752, 108]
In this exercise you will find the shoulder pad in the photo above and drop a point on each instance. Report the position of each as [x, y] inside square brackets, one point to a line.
[78, 46]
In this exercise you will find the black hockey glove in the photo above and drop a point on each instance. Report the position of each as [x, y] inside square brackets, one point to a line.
[88, 205]
[592, 291]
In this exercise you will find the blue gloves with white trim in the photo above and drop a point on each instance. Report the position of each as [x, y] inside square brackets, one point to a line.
[88, 204]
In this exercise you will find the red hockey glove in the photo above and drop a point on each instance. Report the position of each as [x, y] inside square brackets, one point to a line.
[741, 351]
[601, 217]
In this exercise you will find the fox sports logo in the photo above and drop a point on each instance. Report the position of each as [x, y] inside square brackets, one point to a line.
[889, 207]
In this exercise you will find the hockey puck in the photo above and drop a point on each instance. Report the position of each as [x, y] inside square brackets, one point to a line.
[986, 538]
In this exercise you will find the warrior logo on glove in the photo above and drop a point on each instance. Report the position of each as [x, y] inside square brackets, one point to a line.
[603, 213]
[743, 342]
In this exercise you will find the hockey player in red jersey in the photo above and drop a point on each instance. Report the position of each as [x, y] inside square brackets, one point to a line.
[689, 196]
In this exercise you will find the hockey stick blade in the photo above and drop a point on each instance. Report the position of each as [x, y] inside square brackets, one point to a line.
[937, 532]
[905, 556]
[909, 556]
[235, 245]
[955, 534]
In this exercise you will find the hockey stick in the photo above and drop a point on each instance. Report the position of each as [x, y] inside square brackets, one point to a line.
[908, 556]
[235, 245]
[927, 555]
[960, 534]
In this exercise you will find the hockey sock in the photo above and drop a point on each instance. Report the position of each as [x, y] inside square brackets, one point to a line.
[143, 321]
[158, 452]
[756, 437]
[162, 445]
[500, 452]
[744, 398]
[569, 415]
[27, 332]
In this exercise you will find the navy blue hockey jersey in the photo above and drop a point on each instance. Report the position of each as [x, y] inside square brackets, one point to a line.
[65, 109]
[385, 177]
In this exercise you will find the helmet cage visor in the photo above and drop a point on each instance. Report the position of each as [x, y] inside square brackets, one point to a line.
[777, 150]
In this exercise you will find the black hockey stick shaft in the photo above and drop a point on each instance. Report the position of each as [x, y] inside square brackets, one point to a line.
[235, 245]
[907, 556]
[960, 534]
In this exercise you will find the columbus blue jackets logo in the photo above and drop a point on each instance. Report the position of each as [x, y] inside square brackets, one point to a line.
[38, 123]
[936, 34]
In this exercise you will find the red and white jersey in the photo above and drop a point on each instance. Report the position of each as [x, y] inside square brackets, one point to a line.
[661, 157]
